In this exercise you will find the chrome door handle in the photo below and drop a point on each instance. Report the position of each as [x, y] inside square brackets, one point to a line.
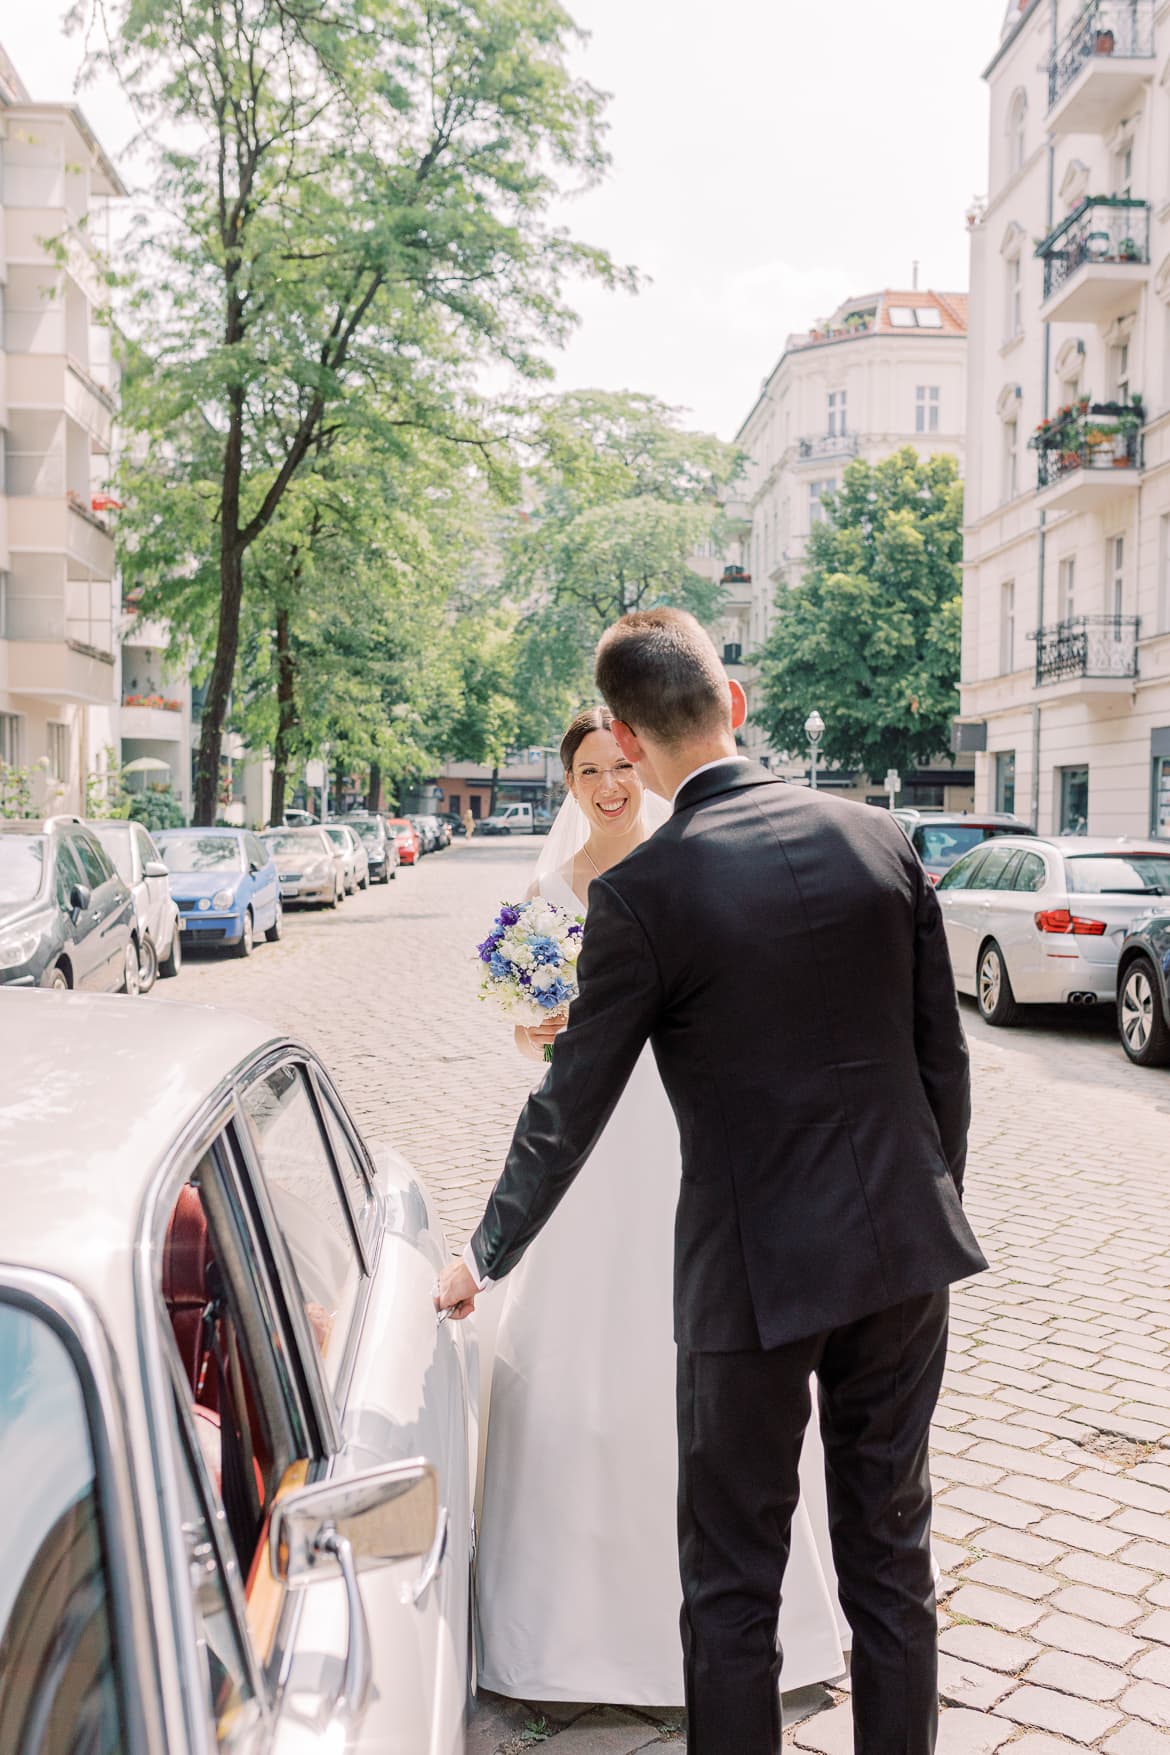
[358, 1672]
[414, 1593]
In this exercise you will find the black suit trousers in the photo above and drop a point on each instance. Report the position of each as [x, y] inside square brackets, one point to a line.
[741, 1420]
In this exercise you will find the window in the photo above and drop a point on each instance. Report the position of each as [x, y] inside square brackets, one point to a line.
[1005, 782]
[915, 317]
[992, 869]
[1031, 874]
[93, 860]
[1115, 576]
[1072, 816]
[1160, 807]
[1017, 132]
[837, 417]
[1123, 169]
[10, 733]
[1066, 588]
[1119, 371]
[963, 873]
[1014, 314]
[3, 598]
[818, 491]
[59, 743]
[348, 1158]
[1007, 627]
[59, 1686]
[68, 873]
[1163, 610]
[1011, 459]
[308, 1204]
[926, 404]
[258, 854]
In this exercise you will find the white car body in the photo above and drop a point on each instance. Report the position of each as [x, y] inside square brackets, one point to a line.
[514, 819]
[355, 864]
[310, 868]
[1044, 967]
[142, 869]
[122, 1113]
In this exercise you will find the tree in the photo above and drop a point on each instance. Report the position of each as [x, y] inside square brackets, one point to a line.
[356, 192]
[870, 636]
[625, 497]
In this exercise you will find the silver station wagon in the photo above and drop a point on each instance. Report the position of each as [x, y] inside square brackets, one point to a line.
[235, 1445]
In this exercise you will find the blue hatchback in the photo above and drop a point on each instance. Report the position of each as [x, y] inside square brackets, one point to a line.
[225, 883]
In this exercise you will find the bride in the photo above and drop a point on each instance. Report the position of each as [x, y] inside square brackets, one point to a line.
[577, 1573]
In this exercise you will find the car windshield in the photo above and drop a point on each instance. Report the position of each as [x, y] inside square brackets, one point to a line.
[202, 853]
[401, 824]
[367, 830]
[337, 836]
[117, 844]
[1119, 874]
[940, 844]
[22, 860]
[305, 843]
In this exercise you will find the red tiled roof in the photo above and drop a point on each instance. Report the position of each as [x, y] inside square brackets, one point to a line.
[870, 315]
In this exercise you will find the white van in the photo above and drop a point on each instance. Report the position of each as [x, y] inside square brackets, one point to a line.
[514, 819]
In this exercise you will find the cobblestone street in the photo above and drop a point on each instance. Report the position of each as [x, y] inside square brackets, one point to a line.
[1052, 1448]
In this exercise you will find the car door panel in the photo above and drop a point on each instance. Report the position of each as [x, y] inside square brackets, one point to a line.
[959, 903]
[77, 925]
[1017, 902]
[110, 909]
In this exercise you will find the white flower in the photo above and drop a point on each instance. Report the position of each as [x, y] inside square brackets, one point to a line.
[544, 977]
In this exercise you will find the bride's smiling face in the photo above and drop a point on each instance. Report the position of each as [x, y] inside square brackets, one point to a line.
[605, 785]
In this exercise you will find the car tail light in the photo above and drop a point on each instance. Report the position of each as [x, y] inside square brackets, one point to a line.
[934, 876]
[1060, 920]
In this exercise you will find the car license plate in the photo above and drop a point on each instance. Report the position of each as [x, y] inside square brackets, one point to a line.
[184, 925]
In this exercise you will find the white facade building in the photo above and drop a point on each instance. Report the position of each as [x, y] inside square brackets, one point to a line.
[886, 370]
[1066, 635]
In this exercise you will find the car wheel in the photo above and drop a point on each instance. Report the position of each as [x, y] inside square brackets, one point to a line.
[275, 932]
[364, 884]
[130, 981]
[997, 1002]
[172, 964]
[336, 898]
[1141, 1021]
[56, 978]
[147, 965]
[247, 940]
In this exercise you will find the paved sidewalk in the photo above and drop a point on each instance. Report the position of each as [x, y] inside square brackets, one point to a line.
[1052, 1448]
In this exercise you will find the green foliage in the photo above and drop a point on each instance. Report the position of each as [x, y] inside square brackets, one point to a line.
[625, 496]
[105, 789]
[871, 634]
[156, 808]
[15, 791]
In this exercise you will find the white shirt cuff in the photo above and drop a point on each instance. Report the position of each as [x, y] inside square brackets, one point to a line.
[481, 1280]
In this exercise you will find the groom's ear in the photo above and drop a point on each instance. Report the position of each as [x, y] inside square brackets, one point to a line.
[739, 704]
[627, 741]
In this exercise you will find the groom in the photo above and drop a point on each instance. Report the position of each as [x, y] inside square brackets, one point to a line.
[784, 954]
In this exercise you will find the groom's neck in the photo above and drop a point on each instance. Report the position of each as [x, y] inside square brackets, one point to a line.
[674, 764]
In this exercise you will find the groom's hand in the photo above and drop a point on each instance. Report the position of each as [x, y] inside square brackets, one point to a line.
[456, 1291]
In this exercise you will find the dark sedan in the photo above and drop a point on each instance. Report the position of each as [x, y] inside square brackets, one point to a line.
[66, 917]
[1143, 991]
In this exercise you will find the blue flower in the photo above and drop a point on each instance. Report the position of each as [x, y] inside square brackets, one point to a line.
[499, 967]
[551, 998]
[489, 944]
[545, 950]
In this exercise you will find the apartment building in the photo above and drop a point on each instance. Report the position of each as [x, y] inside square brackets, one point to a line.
[59, 686]
[885, 370]
[1066, 634]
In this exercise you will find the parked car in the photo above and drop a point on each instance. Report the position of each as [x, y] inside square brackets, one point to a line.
[428, 835]
[1143, 990]
[300, 819]
[454, 825]
[1041, 921]
[940, 838]
[224, 881]
[310, 867]
[380, 843]
[442, 829]
[406, 835]
[512, 819]
[142, 869]
[236, 1446]
[66, 918]
[355, 865]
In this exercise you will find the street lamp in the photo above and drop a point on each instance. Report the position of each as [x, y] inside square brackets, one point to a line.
[814, 730]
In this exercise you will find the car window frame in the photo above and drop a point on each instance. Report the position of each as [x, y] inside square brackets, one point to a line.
[367, 1224]
[1046, 869]
[81, 840]
[976, 855]
[336, 1394]
[995, 849]
[62, 847]
[136, 1658]
[1010, 870]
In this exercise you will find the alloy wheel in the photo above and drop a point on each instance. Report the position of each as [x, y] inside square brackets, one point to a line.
[131, 979]
[1137, 1010]
[147, 965]
[990, 981]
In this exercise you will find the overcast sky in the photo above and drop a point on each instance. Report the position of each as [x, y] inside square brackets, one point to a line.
[770, 159]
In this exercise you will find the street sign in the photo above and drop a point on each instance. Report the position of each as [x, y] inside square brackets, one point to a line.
[893, 784]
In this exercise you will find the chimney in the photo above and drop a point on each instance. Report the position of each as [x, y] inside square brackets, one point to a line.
[915, 281]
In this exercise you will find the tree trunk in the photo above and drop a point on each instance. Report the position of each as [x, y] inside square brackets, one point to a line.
[374, 791]
[219, 687]
[286, 716]
[338, 788]
[495, 790]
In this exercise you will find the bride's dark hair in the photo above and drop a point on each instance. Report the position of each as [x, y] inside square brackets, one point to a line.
[592, 719]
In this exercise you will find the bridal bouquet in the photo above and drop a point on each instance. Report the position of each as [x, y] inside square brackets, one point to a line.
[530, 961]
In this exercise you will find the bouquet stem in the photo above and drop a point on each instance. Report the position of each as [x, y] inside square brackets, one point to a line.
[548, 1051]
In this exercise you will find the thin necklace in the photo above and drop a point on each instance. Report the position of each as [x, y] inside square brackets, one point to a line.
[590, 858]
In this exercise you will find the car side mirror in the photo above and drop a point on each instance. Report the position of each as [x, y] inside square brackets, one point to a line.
[383, 1515]
[80, 897]
[154, 868]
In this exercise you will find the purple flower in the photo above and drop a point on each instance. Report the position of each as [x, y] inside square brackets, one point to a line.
[509, 914]
[487, 949]
[575, 930]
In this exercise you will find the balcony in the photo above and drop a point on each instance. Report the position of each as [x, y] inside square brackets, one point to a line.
[1095, 262]
[828, 445]
[1088, 655]
[1101, 66]
[737, 588]
[61, 648]
[1092, 452]
[152, 718]
[48, 383]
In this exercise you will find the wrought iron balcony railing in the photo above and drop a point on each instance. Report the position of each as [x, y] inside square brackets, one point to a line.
[829, 445]
[1102, 435]
[1104, 229]
[1105, 27]
[1095, 647]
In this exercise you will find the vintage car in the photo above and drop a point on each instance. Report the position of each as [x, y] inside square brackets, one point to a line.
[235, 1442]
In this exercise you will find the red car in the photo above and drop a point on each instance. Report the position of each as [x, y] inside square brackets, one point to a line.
[406, 835]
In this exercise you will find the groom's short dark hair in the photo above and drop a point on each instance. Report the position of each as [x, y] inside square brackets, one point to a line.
[659, 673]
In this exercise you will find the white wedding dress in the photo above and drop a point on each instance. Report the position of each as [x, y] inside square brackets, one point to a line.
[577, 1572]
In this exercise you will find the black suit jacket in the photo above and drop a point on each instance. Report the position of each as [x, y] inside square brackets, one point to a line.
[783, 951]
